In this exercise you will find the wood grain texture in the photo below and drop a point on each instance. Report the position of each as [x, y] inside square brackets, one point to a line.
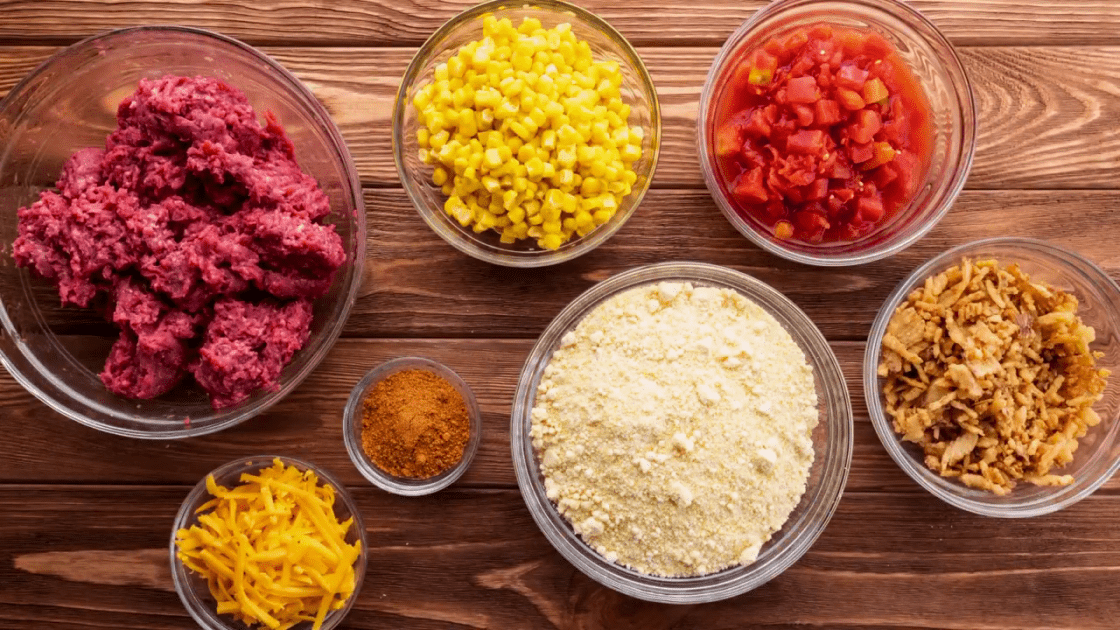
[44, 447]
[71, 557]
[410, 22]
[1036, 106]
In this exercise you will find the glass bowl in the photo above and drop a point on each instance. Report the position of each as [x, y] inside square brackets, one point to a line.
[606, 43]
[352, 429]
[832, 444]
[192, 587]
[935, 64]
[1098, 453]
[70, 102]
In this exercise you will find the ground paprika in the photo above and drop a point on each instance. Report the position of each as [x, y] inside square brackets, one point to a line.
[414, 424]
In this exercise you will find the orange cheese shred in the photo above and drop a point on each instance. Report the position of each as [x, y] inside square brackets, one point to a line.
[272, 550]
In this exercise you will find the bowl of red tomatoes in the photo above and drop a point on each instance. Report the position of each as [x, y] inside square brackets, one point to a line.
[836, 133]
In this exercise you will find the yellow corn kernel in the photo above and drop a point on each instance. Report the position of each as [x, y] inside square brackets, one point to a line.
[492, 159]
[551, 241]
[439, 176]
[630, 153]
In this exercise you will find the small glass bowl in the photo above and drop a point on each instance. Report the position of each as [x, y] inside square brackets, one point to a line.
[606, 43]
[1098, 454]
[69, 103]
[935, 64]
[832, 444]
[192, 588]
[352, 429]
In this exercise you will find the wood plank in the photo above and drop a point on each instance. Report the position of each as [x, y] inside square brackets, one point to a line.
[404, 297]
[656, 22]
[44, 447]
[1035, 106]
[72, 557]
[416, 285]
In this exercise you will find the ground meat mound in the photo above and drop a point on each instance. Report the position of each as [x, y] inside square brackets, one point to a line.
[198, 230]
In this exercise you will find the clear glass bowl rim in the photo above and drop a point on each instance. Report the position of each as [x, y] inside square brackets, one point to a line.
[835, 455]
[968, 115]
[338, 146]
[194, 602]
[352, 426]
[433, 46]
[883, 428]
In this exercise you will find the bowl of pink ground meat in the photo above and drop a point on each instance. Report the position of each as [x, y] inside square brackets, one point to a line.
[181, 232]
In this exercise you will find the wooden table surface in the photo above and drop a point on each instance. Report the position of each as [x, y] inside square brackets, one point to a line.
[85, 517]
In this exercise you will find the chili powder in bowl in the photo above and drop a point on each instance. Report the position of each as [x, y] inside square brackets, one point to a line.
[836, 133]
[412, 426]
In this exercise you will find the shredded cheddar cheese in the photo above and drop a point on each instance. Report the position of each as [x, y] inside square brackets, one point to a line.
[272, 550]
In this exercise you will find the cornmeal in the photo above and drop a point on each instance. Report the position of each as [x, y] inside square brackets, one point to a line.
[674, 428]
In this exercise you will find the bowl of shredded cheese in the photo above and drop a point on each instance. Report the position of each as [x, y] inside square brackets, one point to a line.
[681, 433]
[268, 541]
[526, 134]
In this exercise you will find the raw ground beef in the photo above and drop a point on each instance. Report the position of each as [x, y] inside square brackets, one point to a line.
[197, 226]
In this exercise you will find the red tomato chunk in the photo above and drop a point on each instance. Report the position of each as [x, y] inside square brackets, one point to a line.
[822, 134]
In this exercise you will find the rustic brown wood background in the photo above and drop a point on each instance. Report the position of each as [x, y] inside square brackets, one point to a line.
[85, 517]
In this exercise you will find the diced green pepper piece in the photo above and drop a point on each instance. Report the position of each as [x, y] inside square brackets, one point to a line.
[760, 76]
[884, 153]
[874, 91]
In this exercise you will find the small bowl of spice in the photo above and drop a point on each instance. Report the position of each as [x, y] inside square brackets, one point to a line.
[412, 426]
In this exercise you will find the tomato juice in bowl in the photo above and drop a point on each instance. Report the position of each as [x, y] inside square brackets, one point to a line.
[836, 133]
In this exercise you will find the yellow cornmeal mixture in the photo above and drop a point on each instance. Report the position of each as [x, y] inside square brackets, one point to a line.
[674, 428]
[528, 134]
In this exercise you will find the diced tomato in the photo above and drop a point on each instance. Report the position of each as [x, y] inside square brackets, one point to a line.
[808, 141]
[867, 124]
[796, 40]
[870, 208]
[728, 140]
[876, 47]
[840, 170]
[909, 170]
[752, 156]
[757, 126]
[802, 90]
[811, 225]
[804, 114]
[851, 77]
[844, 194]
[827, 112]
[750, 188]
[861, 153]
[884, 175]
[817, 190]
[849, 100]
[763, 60]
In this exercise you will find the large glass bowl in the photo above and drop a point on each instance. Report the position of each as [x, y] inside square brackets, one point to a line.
[832, 444]
[606, 43]
[69, 103]
[934, 63]
[1098, 454]
[192, 587]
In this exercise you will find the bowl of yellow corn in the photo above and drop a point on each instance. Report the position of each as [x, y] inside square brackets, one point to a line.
[268, 541]
[526, 134]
